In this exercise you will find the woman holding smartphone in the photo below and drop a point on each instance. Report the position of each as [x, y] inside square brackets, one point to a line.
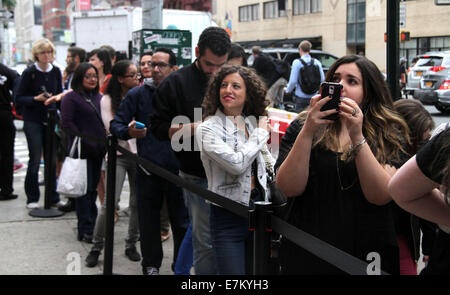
[80, 112]
[39, 82]
[337, 172]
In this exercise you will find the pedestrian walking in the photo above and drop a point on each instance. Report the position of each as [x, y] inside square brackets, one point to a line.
[337, 172]
[124, 77]
[8, 78]
[80, 112]
[38, 83]
[180, 94]
[306, 76]
[232, 141]
[152, 190]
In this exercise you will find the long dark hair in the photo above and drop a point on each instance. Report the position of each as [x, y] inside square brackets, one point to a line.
[383, 127]
[105, 57]
[255, 102]
[78, 76]
[114, 89]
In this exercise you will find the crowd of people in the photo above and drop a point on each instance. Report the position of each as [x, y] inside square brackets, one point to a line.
[369, 181]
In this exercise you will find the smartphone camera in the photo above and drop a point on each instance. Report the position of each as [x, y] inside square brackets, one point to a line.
[334, 90]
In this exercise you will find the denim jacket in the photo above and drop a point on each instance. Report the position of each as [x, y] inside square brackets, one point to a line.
[227, 157]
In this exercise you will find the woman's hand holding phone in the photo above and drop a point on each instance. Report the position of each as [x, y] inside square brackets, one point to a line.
[352, 117]
[316, 117]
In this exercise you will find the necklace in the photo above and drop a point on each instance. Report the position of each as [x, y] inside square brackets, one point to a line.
[343, 188]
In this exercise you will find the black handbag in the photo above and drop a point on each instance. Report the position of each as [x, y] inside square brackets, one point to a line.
[277, 197]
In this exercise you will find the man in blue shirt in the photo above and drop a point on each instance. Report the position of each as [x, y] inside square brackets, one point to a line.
[302, 99]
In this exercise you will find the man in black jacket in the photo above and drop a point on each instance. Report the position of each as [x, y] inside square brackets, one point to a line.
[177, 112]
[7, 133]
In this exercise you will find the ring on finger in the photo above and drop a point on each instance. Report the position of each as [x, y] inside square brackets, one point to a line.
[354, 112]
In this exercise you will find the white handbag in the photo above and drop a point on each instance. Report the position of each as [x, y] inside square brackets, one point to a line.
[72, 181]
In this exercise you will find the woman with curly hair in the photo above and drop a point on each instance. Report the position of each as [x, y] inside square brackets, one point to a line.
[337, 172]
[233, 146]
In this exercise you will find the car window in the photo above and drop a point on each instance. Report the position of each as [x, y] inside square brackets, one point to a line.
[325, 60]
[429, 62]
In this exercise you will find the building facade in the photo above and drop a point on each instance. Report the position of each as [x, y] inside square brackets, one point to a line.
[337, 26]
[199, 5]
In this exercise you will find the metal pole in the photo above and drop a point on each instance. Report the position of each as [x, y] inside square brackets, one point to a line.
[261, 239]
[49, 170]
[152, 14]
[110, 205]
[392, 53]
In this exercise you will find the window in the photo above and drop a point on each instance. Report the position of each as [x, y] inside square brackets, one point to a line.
[271, 9]
[249, 13]
[306, 6]
[356, 22]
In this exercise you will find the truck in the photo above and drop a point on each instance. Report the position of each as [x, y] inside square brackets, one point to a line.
[114, 27]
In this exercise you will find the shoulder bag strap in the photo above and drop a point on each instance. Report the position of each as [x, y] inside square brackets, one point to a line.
[89, 101]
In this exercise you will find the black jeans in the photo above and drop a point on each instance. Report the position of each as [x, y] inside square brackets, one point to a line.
[150, 193]
[7, 135]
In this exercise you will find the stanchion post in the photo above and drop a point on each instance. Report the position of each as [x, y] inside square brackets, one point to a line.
[49, 170]
[110, 204]
[261, 240]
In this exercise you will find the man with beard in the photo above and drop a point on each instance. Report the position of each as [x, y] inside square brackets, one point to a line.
[181, 95]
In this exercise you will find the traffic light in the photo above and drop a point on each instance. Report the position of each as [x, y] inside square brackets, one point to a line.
[404, 36]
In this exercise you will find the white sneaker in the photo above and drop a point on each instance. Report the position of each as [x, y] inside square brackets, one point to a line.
[59, 204]
[32, 205]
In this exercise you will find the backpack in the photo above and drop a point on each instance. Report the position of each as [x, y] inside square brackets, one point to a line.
[282, 67]
[309, 80]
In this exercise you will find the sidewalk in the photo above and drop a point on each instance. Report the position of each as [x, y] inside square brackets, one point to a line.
[49, 246]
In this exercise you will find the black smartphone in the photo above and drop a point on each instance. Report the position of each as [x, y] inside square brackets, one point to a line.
[335, 91]
[44, 90]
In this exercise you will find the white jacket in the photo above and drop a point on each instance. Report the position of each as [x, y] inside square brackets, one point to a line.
[227, 157]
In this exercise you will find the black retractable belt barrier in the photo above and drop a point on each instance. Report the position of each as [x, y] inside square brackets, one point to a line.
[49, 170]
[261, 219]
[319, 248]
[110, 205]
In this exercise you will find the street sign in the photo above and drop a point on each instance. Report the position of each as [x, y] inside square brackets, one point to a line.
[179, 41]
[6, 14]
[402, 15]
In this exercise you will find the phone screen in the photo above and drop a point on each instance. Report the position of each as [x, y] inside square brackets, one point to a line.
[334, 90]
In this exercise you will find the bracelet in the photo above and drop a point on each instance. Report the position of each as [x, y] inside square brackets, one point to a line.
[351, 153]
[358, 145]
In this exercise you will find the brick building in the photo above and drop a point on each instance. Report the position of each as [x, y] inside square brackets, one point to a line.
[199, 5]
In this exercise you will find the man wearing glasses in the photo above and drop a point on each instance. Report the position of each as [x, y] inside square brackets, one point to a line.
[151, 189]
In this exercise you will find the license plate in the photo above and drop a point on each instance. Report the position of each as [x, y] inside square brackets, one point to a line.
[419, 73]
[428, 84]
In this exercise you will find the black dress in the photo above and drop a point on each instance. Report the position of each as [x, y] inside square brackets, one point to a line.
[333, 208]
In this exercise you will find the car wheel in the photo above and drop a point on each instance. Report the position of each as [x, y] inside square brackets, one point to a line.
[443, 109]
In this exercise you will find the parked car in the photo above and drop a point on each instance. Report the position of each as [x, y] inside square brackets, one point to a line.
[435, 90]
[290, 54]
[430, 61]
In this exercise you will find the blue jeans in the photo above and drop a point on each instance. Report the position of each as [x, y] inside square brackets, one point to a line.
[185, 257]
[231, 243]
[204, 261]
[35, 134]
[85, 205]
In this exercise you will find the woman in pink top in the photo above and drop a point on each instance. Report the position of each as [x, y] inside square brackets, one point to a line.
[124, 77]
